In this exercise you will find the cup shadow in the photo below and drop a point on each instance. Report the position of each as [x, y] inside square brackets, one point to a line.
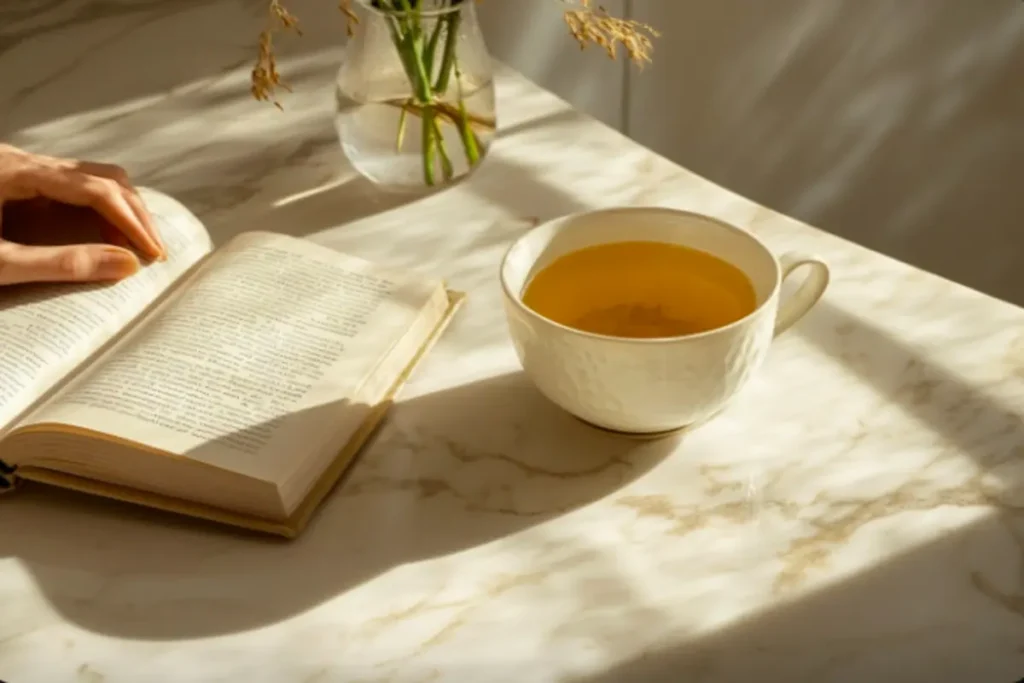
[446, 472]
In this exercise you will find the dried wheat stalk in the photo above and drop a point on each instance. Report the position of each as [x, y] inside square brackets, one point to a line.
[588, 24]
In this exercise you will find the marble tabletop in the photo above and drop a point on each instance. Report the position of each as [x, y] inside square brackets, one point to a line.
[855, 515]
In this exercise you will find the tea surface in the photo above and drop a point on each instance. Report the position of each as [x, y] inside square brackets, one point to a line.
[641, 290]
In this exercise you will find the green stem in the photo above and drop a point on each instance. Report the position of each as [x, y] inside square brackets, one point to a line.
[406, 8]
[409, 45]
[418, 58]
[395, 28]
[408, 40]
[402, 120]
[435, 35]
[446, 162]
[469, 141]
[448, 112]
[428, 147]
[451, 40]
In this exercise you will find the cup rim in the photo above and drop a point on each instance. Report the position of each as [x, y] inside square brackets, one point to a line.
[517, 299]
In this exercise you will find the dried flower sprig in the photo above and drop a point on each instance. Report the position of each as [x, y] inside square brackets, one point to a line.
[265, 76]
[589, 25]
[425, 37]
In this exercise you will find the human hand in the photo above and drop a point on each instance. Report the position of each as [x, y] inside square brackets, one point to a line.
[36, 182]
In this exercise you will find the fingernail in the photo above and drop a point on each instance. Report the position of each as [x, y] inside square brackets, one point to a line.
[152, 249]
[153, 252]
[160, 245]
[161, 249]
[116, 263]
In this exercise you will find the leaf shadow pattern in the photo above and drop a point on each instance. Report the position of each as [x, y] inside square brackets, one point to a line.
[947, 607]
[911, 619]
[515, 464]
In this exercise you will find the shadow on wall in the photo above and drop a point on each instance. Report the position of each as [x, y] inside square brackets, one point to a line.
[897, 125]
[532, 36]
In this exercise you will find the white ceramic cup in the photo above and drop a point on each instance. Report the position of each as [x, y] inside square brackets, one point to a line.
[648, 386]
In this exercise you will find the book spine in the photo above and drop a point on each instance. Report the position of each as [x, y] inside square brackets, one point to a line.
[8, 479]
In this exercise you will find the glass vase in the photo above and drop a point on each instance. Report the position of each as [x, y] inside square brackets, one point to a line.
[415, 93]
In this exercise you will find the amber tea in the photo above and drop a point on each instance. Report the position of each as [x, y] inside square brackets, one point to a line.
[641, 290]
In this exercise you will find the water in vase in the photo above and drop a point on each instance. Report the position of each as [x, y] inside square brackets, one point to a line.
[384, 139]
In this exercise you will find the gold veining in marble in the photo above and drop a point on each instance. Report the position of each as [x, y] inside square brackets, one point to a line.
[856, 510]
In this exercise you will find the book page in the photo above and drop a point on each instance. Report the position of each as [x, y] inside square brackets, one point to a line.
[48, 330]
[249, 365]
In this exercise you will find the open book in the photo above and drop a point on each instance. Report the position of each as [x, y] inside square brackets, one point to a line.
[235, 384]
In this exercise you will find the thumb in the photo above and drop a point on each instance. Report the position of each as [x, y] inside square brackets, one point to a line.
[72, 263]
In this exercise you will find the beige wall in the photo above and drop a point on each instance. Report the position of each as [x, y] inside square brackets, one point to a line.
[898, 124]
[531, 36]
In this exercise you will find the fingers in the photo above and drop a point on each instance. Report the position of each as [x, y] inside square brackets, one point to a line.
[74, 263]
[105, 188]
[104, 195]
[120, 176]
[111, 171]
[112, 235]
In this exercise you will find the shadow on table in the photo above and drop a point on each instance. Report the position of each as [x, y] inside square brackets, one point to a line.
[476, 463]
[348, 197]
[305, 207]
[931, 615]
[949, 610]
[976, 423]
[302, 183]
[448, 471]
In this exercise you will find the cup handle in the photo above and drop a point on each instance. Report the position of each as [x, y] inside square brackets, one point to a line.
[795, 306]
